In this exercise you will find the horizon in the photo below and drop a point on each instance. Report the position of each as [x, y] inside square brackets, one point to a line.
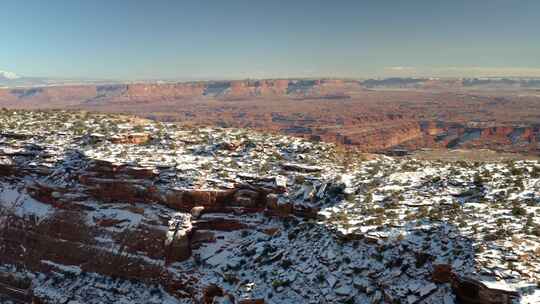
[19, 82]
[183, 41]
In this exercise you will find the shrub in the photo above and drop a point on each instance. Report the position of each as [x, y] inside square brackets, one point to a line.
[286, 263]
[518, 211]
[280, 283]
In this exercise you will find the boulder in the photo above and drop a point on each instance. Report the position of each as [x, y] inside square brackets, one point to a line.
[44, 193]
[277, 206]
[7, 166]
[210, 292]
[442, 273]
[178, 242]
[470, 291]
[132, 138]
[246, 198]
[197, 211]
[229, 146]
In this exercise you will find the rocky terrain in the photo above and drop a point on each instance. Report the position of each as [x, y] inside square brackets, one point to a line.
[373, 115]
[99, 208]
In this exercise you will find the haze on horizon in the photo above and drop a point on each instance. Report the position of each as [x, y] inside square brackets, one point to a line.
[187, 40]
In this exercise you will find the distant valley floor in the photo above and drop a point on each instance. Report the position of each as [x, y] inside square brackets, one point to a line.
[372, 116]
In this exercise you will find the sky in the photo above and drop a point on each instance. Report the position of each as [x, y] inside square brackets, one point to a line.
[225, 39]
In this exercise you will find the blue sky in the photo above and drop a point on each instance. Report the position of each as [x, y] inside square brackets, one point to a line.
[202, 39]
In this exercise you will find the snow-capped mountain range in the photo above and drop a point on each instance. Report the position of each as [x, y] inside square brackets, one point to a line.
[12, 80]
[4, 75]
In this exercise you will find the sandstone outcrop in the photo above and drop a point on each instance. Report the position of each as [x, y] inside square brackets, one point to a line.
[178, 242]
[471, 291]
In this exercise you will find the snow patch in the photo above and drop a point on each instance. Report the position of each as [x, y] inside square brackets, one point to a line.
[22, 204]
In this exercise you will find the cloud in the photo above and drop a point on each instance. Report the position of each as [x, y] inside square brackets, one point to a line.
[400, 68]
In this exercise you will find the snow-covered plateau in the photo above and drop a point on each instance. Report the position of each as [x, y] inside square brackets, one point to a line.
[98, 208]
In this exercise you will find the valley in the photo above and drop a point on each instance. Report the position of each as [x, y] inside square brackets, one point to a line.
[374, 116]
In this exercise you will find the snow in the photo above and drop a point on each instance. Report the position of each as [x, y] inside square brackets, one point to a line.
[8, 75]
[378, 218]
[128, 218]
[21, 203]
[65, 268]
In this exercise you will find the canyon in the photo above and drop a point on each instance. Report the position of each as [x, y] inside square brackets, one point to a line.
[372, 115]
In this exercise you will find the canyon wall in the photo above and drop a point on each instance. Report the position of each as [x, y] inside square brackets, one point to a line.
[216, 89]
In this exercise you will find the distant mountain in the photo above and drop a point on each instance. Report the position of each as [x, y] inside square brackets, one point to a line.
[7, 76]
[393, 82]
[10, 80]
[501, 82]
